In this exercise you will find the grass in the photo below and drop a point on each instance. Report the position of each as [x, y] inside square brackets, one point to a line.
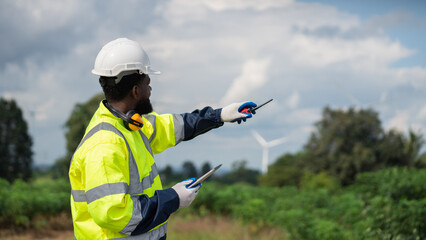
[43, 228]
[191, 227]
[180, 227]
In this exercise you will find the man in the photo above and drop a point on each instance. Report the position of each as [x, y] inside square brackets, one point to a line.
[116, 190]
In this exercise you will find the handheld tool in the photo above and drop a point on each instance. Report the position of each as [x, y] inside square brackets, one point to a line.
[250, 110]
[204, 177]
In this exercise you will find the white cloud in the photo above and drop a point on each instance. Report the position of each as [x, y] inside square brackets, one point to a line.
[360, 54]
[293, 100]
[179, 12]
[400, 121]
[212, 52]
[422, 113]
[413, 76]
[41, 15]
[222, 5]
[304, 116]
[253, 76]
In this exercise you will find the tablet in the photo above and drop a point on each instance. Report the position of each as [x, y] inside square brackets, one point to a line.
[204, 177]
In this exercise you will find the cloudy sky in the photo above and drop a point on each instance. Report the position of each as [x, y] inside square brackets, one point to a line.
[304, 54]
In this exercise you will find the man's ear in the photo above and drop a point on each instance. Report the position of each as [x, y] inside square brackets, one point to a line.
[135, 92]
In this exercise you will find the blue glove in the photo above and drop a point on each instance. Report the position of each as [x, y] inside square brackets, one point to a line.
[237, 112]
[186, 195]
[192, 181]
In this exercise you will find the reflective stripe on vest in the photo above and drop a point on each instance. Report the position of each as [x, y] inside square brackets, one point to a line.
[151, 118]
[178, 126]
[151, 235]
[135, 187]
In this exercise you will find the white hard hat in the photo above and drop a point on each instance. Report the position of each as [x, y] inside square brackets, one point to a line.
[121, 57]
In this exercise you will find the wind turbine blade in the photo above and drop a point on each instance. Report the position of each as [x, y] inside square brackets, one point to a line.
[349, 96]
[276, 142]
[259, 138]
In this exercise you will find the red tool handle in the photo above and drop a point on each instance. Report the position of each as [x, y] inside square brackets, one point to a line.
[246, 110]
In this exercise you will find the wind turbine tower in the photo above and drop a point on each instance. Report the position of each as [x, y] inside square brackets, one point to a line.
[266, 145]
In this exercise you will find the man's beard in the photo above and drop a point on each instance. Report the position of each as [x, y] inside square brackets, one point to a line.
[144, 106]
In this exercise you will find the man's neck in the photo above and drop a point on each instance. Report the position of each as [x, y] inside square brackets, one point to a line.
[121, 106]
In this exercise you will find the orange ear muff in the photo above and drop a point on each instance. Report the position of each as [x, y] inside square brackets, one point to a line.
[135, 121]
[132, 120]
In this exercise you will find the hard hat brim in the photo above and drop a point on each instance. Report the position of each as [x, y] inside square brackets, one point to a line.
[108, 73]
[153, 72]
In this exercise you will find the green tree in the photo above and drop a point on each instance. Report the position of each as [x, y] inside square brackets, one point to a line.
[241, 173]
[78, 121]
[15, 142]
[75, 127]
[167, 172]
[347, 143]
[286, 170]
[189, 170]
[169, 176]
[205, 167]
[399, 150]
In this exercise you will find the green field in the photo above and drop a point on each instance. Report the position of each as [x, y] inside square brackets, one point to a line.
[180, 227]
[388, 204]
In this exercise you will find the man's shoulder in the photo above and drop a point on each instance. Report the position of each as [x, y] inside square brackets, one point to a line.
[102, 134]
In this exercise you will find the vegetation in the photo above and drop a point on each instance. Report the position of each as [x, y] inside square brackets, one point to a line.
[193, 227]
[239, 173]
[388, 204]
[345, 144]
[75, 127]
[15, 142]
[352, 180]
[22, 202]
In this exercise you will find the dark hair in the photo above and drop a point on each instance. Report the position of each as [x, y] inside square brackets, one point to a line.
[116, 92]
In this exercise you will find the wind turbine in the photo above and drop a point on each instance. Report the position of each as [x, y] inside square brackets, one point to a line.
[266, 145]
[357, 103]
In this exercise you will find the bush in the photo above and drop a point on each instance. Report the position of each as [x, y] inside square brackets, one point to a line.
[396, 183]
[388, 204]
[21, 201]
[396, 220]
[326, 229]
[312, 181]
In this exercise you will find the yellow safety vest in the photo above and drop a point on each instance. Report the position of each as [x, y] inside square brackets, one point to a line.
[111, 167]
